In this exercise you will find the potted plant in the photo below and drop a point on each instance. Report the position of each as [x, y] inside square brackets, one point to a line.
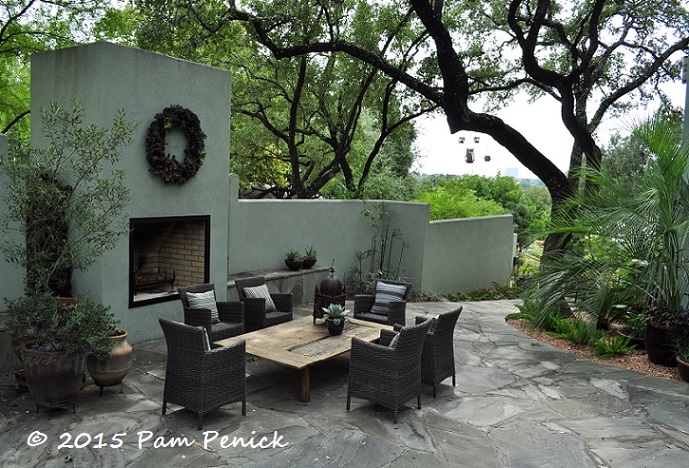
[293, 259]
[335, 316]
[66, 201]
[310, 257]
[61, 338]
[681, 348]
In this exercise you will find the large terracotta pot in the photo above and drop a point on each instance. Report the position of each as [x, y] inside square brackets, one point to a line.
[112, 369]
[54, 378]
[659, 341]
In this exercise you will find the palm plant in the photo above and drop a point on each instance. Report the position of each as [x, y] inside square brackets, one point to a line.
[628, 244]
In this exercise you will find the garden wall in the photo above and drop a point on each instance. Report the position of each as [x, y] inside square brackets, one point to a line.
[468, 254]
[245, 235]
[261, 231]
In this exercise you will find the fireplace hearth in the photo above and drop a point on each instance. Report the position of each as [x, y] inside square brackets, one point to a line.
[164, 254]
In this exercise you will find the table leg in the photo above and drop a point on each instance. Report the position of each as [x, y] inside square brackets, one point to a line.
[305, 384]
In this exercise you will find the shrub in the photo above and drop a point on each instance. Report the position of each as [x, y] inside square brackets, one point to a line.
[609, 346]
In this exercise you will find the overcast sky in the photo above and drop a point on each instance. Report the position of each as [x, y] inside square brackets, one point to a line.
[441, 153]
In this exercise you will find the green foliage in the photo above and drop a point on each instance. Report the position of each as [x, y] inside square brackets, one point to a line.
[335, 313]
[452, 203]
[28, 27]
[628, 245]
[71, 183]
[293, 255]
[680, 346]
[452, 197]
[384, 259]
[520, 316]
[79, 328]
[497, 292]
[535, 313]
[576, 330]
[636, 320]
[609, 346]
[625, 158]
[306, 126]
[310, 253]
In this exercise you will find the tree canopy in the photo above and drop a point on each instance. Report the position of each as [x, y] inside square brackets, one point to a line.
[596, 58]
[298, 123]
[30, 26]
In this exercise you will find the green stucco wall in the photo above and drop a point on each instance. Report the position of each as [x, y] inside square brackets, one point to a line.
[105, 77]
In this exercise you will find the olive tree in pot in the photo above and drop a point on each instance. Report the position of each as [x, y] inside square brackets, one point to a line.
[61, 338]
[66, 201]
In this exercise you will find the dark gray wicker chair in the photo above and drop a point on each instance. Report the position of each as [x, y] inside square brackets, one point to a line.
[201, 380]
[385, 375]
[395, 312]
[231, 314]
[438, 357]
[255, 313]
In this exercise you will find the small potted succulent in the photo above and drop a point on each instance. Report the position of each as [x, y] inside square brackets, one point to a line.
[335, 316]
[310, 257]
[293, 259]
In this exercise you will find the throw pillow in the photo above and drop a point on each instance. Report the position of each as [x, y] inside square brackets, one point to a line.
[262, 292]
[386, 292]
[204, 300]
[393, 342]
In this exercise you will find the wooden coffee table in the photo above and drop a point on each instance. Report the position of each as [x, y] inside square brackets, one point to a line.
[300, 343]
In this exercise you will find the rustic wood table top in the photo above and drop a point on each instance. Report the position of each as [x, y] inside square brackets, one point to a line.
[301, 343]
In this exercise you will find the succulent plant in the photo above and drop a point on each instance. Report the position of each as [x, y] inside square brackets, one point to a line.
[293, 255]
[335, 313]
[310, 252]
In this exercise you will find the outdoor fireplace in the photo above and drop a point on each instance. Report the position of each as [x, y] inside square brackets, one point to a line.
[166, 253]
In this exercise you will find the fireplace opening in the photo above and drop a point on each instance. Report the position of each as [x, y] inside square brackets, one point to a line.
[166, 253]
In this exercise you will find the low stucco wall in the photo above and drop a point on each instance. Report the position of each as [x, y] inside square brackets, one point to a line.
[261, 231]
[468, 254]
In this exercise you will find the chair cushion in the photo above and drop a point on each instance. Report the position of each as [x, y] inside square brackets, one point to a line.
[204, 300]
[394, 340]
[261, 291]
[386, 292]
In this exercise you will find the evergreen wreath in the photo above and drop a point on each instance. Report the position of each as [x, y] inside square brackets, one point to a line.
[165, 165]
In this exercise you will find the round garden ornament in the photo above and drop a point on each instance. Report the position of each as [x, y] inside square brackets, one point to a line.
[165, 165]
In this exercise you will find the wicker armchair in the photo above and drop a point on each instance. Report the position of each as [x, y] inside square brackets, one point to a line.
[388, 376]
[438, 357]
[256, 313]
[199, 379]
[366, 307]
[230, 314]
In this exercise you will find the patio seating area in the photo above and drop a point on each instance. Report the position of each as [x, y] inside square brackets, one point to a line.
[517, 403]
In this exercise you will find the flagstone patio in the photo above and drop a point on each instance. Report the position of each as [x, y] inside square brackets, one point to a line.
[518, 403]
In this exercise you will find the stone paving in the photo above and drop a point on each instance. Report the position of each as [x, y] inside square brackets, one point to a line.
[517, 403]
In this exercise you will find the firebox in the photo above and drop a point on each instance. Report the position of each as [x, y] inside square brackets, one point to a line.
[165, 253]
